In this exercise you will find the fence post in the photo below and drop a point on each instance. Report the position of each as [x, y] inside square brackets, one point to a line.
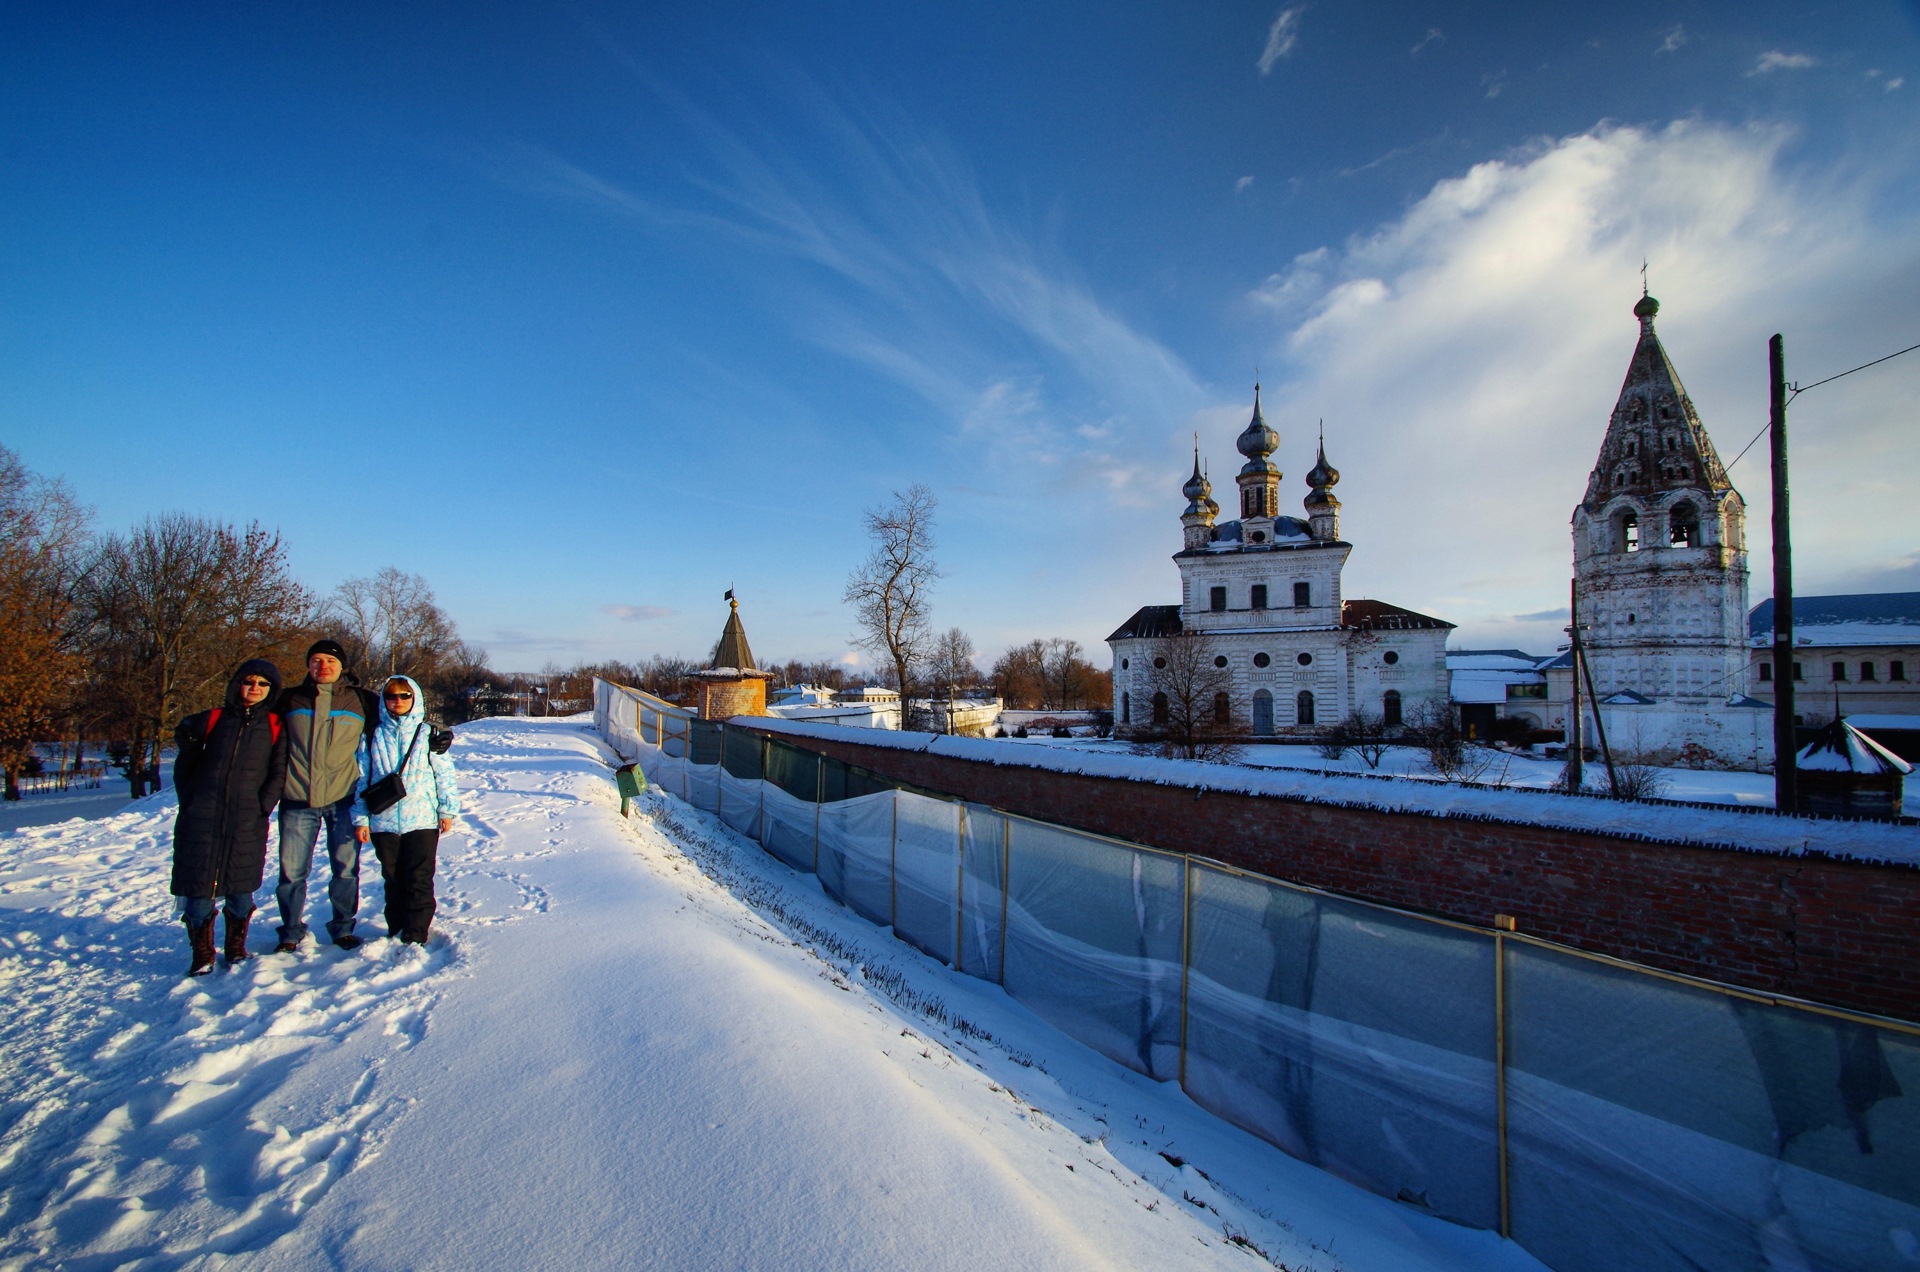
[1186, 956]
[959, 878]
[819, 796]
[720, 778]
[760, 818]
[1500, 1070]
[1006, 887]
[893, 863]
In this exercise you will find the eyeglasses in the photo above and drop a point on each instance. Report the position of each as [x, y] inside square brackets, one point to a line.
[399, 697]
[255, 682]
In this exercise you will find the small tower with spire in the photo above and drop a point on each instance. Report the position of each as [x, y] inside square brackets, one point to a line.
[1259, 480]
[732, 685]
[1323, 510]
[1197, 521]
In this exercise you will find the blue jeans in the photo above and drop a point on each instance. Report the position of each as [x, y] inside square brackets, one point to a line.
[198, 911]
[299, 831]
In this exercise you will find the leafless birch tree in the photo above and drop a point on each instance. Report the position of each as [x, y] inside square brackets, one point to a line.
[890, 591]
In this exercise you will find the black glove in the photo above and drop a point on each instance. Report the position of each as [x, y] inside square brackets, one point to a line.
[439, 740]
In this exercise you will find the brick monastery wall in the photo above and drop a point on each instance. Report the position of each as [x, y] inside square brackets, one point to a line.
[1841, 932]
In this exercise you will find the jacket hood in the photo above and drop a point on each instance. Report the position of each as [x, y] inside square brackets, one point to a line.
[253, 667]
[416, 714]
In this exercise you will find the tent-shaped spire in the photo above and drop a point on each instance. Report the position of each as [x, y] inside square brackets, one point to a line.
[1655, 441]
[733, 651]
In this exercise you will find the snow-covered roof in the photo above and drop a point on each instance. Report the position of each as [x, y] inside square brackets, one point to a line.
[1459, 660]
[1703, 826]
[1380, 616]
[1866, 618]
[1841, 748]
[1476, 685]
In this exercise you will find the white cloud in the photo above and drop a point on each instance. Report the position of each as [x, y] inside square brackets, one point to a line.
[638, 613]
[1493, 82]
[1240, 186]
[1466, 357]
[1433, 36]
[1281, 37]
[1894, 83]
[1673, 41]
[1774, 60]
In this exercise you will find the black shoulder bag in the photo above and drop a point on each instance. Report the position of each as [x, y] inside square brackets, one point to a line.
[392, 788]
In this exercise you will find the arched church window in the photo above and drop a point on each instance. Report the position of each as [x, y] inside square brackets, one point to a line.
[1126, 708]
[1390, 709]
[1633, 447]
[1683, 525]
[1303, 707]
[1626, 532]
[1222, 709]
[1159, 708]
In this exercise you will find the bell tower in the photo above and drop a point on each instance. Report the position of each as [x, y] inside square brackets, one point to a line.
[1323, 510]
[1659, 545]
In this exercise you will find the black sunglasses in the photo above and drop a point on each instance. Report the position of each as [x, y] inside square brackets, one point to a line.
[399, 697]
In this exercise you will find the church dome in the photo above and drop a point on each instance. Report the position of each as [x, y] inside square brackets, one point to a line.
[1257, 441]
[1646, 308]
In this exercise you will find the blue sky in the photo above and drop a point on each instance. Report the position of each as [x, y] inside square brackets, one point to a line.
[606, 308]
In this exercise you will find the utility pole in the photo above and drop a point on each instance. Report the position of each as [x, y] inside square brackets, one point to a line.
[1785, 795]
[1576, 749]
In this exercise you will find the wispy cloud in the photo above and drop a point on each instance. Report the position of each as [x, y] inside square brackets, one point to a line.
[1673, 40]
[1493, 82]
[1434, 35]
[1281, 37]
[1476, 343]
[1774, 60]
[877, 232]
[638, 613]
[1240, 186]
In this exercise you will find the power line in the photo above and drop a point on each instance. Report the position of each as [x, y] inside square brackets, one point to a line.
[1799, 389]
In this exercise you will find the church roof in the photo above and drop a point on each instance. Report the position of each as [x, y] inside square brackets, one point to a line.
[1655, 441]
[1378, 616]
[1150, 622]
[1841, 748]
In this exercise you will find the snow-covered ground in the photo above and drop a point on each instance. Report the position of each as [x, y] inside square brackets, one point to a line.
[631, 1043]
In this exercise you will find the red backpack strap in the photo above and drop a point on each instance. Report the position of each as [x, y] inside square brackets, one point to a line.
[213, 718]
[274, 717]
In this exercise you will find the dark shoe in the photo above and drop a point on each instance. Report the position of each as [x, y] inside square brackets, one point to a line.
[289, 945]
[237, 951]
[201, 939]
[348, 942]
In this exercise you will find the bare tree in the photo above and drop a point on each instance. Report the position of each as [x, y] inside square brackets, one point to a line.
[42, 532]
[170, 609]
[1190, 712]
[890, 589]
[951, 662]
[1020, 675]
[1066, 673]
[1364, 732]
[1450, 755]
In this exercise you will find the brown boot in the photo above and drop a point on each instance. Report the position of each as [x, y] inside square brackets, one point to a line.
[201, 938]
[237, 940]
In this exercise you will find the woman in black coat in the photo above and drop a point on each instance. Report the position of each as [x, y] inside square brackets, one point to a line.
[231, 766]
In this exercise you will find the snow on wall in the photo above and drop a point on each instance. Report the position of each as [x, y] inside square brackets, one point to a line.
[1656, 823]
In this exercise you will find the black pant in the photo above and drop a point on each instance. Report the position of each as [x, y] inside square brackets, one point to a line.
[406, 865]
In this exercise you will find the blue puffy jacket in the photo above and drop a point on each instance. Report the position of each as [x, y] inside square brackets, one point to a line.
[431, 792]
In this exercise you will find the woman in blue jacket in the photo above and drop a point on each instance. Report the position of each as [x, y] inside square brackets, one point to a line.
[406, 836]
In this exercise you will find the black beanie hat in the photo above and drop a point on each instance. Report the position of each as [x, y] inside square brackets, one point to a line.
[329, 647]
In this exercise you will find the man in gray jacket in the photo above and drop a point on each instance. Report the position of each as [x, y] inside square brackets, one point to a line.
[325, 717]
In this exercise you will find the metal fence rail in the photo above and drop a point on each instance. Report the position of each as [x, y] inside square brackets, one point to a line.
[1602, 1114]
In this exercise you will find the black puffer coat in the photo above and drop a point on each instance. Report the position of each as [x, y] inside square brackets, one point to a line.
[229, 778]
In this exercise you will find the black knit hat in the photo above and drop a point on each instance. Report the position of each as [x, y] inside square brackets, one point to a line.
[329, 647]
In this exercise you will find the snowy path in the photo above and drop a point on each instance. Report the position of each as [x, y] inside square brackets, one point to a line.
[639, 1043]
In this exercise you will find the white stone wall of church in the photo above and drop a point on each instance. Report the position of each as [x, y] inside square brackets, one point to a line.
[1677, 733]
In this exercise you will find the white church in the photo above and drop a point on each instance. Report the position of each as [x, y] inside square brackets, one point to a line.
[1265, 591]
